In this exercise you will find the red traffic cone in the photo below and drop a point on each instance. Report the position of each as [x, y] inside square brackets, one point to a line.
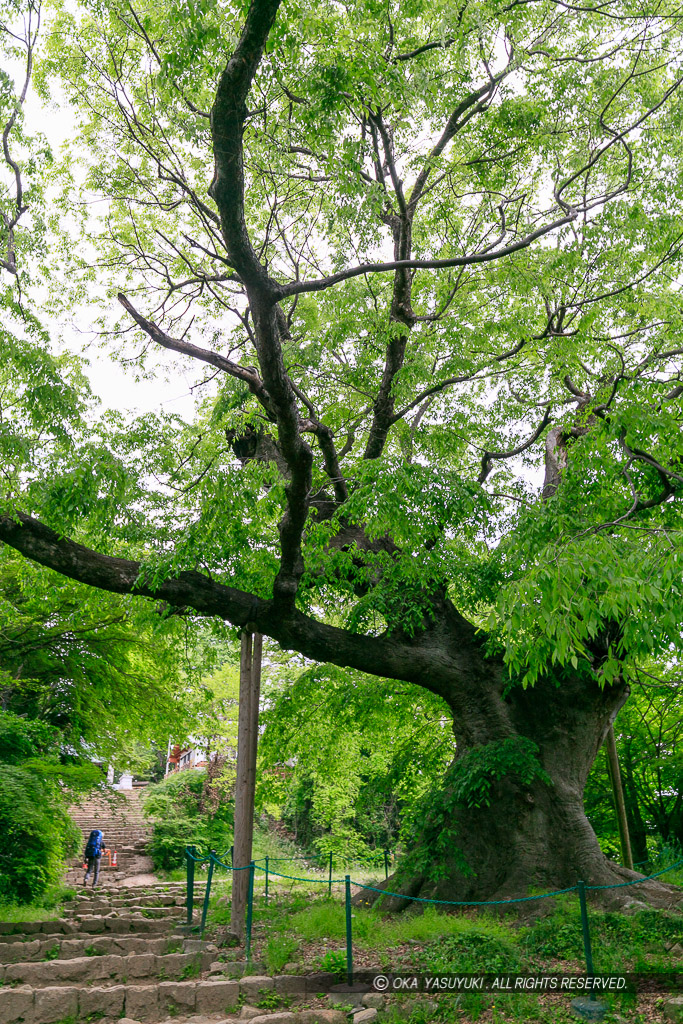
[113, 860]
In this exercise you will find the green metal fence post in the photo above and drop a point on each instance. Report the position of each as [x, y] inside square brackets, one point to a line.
[586, 933]
[207, 893]
[329, 884]
[189, 856]
[232, 856]
[267, 879]
[250, 910]
[349, 937]
[386, 864]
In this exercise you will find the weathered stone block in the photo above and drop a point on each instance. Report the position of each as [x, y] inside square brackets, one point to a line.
[34, 949]
[291, 983]
[140, 965]
[283, 1017]
[253, 984]
[118, 925]
[16, 1004]
[367, 1016]
[176, 995]
[321, 1017]
[54, 1003]
[673, 1009]
[142, 1002]
[321, 982]
[93, 925]
[109, 1001]
[375, 999]
[71, 948]
[249, 1012]
[216, 996]
[27, 974]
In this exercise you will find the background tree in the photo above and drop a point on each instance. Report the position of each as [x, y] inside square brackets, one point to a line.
[429, 254]
[346, 757]
[649, 742]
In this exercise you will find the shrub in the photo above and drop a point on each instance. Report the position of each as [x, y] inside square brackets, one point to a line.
[175, 807]
[36, 829]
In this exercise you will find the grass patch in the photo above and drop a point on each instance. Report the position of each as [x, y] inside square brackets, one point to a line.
[192, 970]
[334, 961]
[279, 950]
[635, 942]
[18, 912]
[326, 920]
[271, 1000]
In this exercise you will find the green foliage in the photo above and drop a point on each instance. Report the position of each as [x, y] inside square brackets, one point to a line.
[269, 999]
[191, 970]
[180, 820]
[334, 961]
[38, 833]
[476, 948]
[344, 756]
[279, 950]
[618, 942]
[649, 735]
[118, 663]
[471, 777]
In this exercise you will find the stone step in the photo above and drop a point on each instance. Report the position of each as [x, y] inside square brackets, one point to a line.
[63, 947]
[155, 900]
[109, 967]
[149, 1002]
[123, 891]
[13, 931]
[84, 910]
[139, 1002]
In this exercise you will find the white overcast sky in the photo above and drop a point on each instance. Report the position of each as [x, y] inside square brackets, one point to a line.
[116, 386]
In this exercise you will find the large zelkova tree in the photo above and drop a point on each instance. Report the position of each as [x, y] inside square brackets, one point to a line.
[429, 255]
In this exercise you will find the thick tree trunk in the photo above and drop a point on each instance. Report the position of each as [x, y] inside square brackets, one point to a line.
[530, 836]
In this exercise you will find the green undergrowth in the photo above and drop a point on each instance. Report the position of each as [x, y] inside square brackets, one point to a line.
[13, 912]
[310, 932]
[305, 875]
[49, 908]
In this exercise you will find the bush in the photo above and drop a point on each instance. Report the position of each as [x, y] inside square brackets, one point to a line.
[170, 837]
[37, 835]
[175, 807]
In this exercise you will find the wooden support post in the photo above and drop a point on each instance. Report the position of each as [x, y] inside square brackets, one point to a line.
[618, 794]
[245, 783]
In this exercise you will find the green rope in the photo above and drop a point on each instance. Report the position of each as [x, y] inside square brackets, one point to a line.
[638, 881]
[449, 903]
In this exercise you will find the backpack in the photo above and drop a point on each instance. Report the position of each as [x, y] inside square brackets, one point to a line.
[93, 847]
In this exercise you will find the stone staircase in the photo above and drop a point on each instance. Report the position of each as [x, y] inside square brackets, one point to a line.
[117, 953]
[119, 815]
[122, 954]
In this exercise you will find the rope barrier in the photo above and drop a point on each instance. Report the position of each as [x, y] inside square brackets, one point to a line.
[214, 860]
[638, 881]
[466, 903]
[422, 899]
[294, 878]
